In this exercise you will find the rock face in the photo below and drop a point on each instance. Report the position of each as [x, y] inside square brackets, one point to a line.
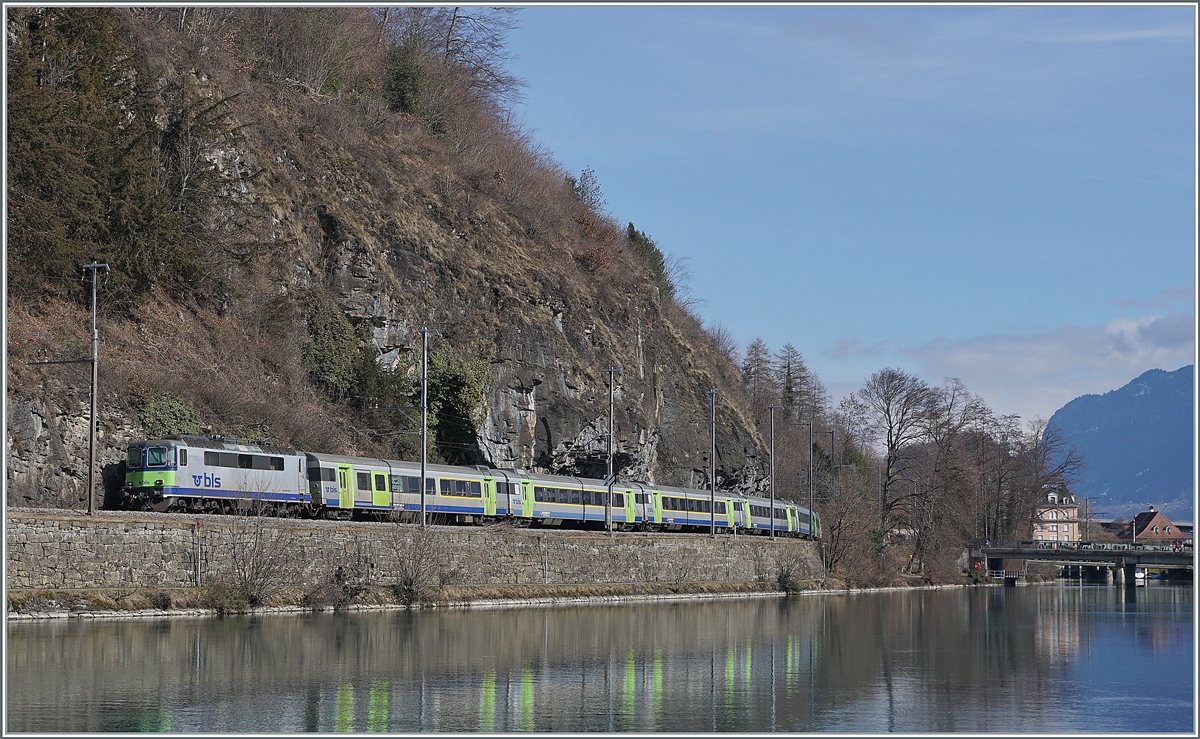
[400, 233]
[47, 454]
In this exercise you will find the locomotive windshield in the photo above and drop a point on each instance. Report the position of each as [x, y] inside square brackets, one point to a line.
[156, 456]
[135, 457]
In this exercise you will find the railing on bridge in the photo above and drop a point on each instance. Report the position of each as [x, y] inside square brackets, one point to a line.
[1086, 546]
[1007, 574]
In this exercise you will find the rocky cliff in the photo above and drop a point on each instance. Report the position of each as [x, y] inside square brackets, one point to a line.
[338, 201]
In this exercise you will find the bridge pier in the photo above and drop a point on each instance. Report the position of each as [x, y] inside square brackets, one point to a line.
[1125, 573]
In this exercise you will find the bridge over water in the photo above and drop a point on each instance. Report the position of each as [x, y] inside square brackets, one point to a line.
[1122, 559]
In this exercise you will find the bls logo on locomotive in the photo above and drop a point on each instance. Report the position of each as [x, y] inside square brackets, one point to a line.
[209, 481]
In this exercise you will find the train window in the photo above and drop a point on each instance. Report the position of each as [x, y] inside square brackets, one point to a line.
[462, 488]
[156, 456]
[539, 494]
[563, 494]
[587, 497]
[406, 484]
[183, 457]
[381, 482]
[720, 507]
[430, 486]
[220, 459]
[575, 499]
[364, 480]
[134, 458]
[618, 500]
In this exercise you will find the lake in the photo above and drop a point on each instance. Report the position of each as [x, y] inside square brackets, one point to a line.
[1048, 659]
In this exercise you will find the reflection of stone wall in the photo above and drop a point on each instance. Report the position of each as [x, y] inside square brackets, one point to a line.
[62, 549]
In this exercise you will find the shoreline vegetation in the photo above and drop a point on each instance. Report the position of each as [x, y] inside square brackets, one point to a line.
[107, 603]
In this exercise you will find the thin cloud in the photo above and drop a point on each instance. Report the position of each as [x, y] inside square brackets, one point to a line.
[853, 346]
[1036, 375]
[851, 31]
[1168, 299]
[1092, 37]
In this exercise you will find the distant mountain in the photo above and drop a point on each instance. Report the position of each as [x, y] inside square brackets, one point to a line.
[1138, 444]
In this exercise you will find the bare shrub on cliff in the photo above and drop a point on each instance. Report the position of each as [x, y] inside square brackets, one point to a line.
[338, 588]
[422, 564]
[792, 566]
[258, 556]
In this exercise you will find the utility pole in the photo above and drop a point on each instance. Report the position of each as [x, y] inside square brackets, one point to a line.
[608, 522]
[95, 267]
[424, 414]
[712, 463]
[771, 409]
[832, 465]
[810, 475]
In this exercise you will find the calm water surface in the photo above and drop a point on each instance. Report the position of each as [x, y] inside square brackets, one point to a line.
[1032, 659]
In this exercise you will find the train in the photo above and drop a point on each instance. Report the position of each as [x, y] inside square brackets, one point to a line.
[201, 474]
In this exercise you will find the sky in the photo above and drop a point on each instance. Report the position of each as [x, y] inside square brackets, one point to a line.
[1002, 195]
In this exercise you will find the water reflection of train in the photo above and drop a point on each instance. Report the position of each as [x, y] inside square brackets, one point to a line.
[200, 474]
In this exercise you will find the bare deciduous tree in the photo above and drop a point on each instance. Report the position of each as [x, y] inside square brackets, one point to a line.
[890, 408]
[758, 376]
[421, 564]
[259, 555]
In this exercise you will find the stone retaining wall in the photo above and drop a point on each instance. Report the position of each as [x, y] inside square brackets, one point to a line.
[62, 549]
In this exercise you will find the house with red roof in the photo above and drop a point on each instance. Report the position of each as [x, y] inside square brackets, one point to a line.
[1152, 527]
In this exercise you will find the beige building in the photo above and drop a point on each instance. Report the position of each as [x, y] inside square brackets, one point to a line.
[1057, 516]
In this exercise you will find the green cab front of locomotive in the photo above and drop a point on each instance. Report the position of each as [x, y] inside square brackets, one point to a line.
[151, 468]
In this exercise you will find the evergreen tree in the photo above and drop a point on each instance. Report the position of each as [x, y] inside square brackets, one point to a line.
[83, 178]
